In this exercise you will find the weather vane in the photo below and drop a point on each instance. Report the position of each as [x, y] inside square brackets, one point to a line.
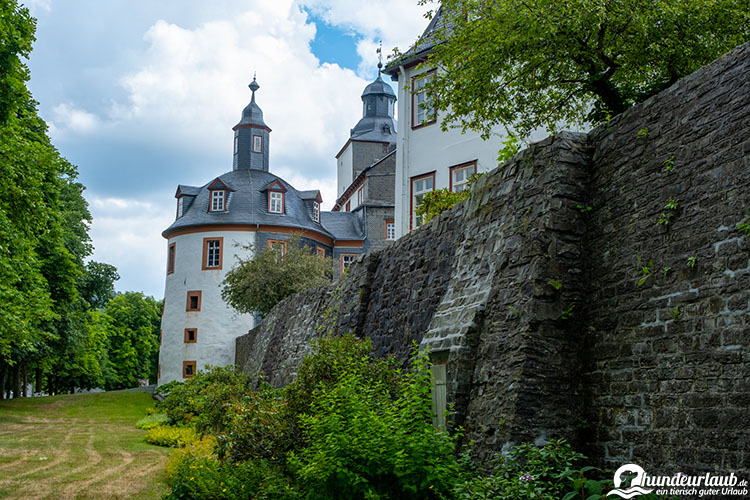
[380, 55]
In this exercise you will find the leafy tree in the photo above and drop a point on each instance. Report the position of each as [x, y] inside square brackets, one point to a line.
[539, 63]
[257, 284]
[133, 338]
[97, 284]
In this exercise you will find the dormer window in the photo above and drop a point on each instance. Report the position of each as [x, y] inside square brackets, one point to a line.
[180, 206]
[316, 211]
[276, 202]
[257, 144]
[218, 200]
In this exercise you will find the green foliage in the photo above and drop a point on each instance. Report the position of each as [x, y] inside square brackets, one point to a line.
[692, 261]
[669, 164]
[646, 271]
[169, 436]
[196, 473]
[568, 313]
[97, 285]
[361, 442]
[744, 226]
[257, 284]
[542, 63]
[133, 323]
[526, 472]
[152, 420]
[669, 211]
[642, 132]
[555, 284]
[675, 313]
[511, 146]
[440, 200]
[259, 426]
[204, 399]
[584, 208]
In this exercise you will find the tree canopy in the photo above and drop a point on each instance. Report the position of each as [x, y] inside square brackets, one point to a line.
[257, 284]
[50, 320]
[526, 64]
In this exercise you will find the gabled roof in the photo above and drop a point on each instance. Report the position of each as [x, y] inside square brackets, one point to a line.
[313, 194]
[218, 184]
[274, 185]
[183, 190]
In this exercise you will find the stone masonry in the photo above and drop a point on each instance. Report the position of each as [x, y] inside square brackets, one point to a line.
[595, 287]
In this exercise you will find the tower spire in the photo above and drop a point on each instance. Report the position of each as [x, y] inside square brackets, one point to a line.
[253, 87]
[380, 56]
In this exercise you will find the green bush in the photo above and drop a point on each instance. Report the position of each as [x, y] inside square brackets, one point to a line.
[195, 473]
[152, 420]
[260, 427]
[362, 442]
[204, 399]
[165, 435]
[547, 473]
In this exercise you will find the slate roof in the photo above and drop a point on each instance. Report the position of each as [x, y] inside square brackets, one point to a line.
[188, 190]
[248, 204]
[378, 87]
[252, 114]
[343, 225]
[423, 45]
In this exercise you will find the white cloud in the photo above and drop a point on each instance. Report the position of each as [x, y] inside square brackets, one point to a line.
[187, 88]
[192, 85]
[67, 117]
[127, 234]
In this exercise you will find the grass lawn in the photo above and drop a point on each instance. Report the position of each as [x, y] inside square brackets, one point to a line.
[82, 446]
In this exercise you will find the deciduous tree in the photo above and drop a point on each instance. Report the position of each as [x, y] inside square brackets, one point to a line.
[541, 63]
[257, 284]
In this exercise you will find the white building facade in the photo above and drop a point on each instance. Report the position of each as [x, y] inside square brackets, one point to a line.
[198, 328]
[428, 158]
[213, 228]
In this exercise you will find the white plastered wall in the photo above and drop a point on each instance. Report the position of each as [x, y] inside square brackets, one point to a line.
[344, 165]
[427, 149]
[218, 325]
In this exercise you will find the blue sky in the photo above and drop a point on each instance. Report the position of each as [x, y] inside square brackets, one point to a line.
[142, 96]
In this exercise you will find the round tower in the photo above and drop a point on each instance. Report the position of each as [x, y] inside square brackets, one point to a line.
[214, 225]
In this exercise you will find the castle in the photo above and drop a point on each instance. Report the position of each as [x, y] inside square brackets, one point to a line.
[250, 208]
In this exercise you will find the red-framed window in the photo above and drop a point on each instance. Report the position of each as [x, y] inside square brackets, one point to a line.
[191, 335]
[193, 300]
[420, 186]
[279, 245]
[171, 253]
[460, 175]
[423, 112]
[212, 253]
[188, 369]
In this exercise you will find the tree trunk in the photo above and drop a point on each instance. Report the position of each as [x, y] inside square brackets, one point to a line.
[25, 390]
[38, 384]
[3, 373]
[17, 381]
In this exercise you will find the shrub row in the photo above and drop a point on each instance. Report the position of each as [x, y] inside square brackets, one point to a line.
[349, 427]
